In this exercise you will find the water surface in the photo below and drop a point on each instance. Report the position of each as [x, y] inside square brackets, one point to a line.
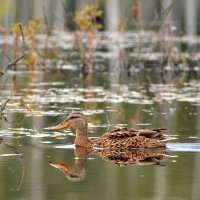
[28, 146]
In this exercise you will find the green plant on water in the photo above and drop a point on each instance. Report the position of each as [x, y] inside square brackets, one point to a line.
[86, 22]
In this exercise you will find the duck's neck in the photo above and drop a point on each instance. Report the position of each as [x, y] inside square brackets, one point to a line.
[82, 139]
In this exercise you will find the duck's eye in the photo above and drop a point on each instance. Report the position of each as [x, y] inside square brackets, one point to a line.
[73, 176]
[73, 117]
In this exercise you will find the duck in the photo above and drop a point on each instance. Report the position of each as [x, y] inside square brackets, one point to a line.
[120, 138]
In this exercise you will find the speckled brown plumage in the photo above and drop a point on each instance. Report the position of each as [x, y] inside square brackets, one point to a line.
[121, 157]
[126, 157]
[121, 138]
[124, 138]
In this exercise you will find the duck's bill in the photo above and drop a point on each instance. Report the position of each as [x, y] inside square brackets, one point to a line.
[60, 126]
[59, 166]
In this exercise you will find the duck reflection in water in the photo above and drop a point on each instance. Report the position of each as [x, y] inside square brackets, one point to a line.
[78, 171]
[131, 157]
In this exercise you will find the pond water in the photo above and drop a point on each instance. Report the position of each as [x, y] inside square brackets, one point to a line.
[111, 97]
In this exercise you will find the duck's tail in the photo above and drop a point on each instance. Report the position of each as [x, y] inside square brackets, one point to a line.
[159, 129]
[169, 138]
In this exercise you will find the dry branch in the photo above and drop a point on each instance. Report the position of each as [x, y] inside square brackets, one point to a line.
[16, 60]
[2, 108]
[3, 115]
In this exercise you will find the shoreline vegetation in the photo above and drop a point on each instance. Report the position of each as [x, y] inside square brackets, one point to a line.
[34, 44]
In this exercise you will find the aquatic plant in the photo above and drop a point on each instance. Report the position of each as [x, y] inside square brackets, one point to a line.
[29, 37]
[136, 18]
[164, 42]
[86, 22]
[31, 31]
[16, 56]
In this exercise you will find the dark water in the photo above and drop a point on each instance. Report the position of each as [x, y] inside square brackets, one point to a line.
[41, 99]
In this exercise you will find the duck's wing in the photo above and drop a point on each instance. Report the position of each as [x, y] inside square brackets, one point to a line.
[122, 133]
[151, 133]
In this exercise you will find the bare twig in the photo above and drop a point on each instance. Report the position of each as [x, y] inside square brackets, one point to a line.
[2, 108]
[22, 34]
[167, 10]
[165, 31]
[29, 109]
[16, 60]
[108, 120]
[4, 105]
[48, 34]
[4, 117]
[13, 63]
[36, 131]
[109, 124]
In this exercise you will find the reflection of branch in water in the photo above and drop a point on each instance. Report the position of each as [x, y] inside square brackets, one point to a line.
[3, 107]
[77, 172]
[21, 160]
[13, 152]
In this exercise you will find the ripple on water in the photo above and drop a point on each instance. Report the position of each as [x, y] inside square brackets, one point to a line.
[92, 94]
[170, 92]
[184, 147]
[64, 146]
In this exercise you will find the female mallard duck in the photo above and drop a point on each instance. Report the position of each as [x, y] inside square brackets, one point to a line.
[121, 138]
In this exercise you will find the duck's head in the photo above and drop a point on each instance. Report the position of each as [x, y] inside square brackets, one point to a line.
[75, 173]
[76, 121]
